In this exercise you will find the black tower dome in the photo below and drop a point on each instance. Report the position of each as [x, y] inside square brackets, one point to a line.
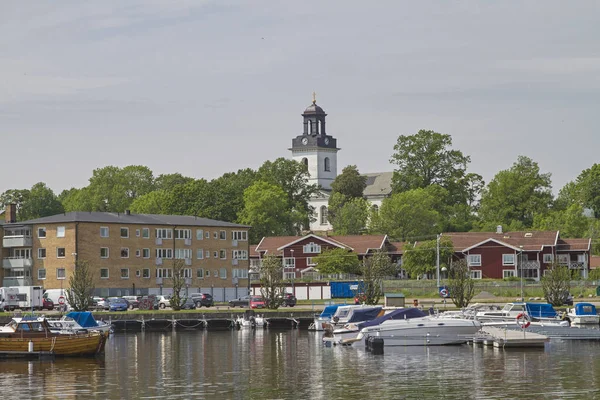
[314, 119]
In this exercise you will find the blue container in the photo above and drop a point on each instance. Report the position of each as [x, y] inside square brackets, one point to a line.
[342, 290]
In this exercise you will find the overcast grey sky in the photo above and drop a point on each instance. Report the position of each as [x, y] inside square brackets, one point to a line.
[207, 87]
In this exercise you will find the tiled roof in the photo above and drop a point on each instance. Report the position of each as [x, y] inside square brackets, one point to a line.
[573, 244]
[360, 244]
[124, 218]
[396, 247]
[530, 240]
[595, 262]
[378, 184]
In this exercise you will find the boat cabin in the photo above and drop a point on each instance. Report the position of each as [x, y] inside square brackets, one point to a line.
[26, 327]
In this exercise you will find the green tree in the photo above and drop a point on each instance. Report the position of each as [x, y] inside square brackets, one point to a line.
[588, 187]
[427, 159]
[374, 270]
[81, 286]
[267, 210]
[152, 203]
[515, 196]
[41, 202]
[177, 283]
[272, 285]
[18, 197]
[460, 284]
[421, 257]
[351, 218]
[409, 215]
[349, 183]
[556, 284]
[337, 261]
[571, 222]
[169, 181]
[224, 196]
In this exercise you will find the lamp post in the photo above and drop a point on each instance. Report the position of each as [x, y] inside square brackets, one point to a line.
[521, 271]
[294, 266]
[437, 259]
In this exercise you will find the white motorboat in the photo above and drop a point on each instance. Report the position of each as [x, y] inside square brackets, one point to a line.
[251, 320]
[421, 331]
[355, 313]
[324, 317]
[583, 313]
[77, 322]
[536, 312]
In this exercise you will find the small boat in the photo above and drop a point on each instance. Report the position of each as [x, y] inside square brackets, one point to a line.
[33, 334]
[355, 313]
[251, 320]
[324, 317]
[78, 322]
[537, 312]
[583, 313]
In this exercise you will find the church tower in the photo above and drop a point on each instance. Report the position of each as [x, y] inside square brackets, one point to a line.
[316, 149]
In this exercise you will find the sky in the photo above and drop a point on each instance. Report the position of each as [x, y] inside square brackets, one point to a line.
[208, 87]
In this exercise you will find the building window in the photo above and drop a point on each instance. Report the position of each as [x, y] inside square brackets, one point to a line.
[164, 273]
[223, 273]
[289, 262]
[310, 262]
[183, 233]
[138, 253]
[187, 273]
[124, 273]
[41, 254]
[104, 231]
[207, 254]
[124, 232]
[548, 258]
[146, 273]
[138, 273]
[164, 234]
[326, 165]
[199, 234]
[240, 235]
[207, 273]
[164, 253]
[137, 233]
[103, 252]
[215, 235]
[103, 273]
[146, 253]
[124, 252]
[223, 254]
[60, 231]
[240, 273]
[324, 213]
[182, 254]
[146, 233]
[215, 273]
[61, 273]
[200, 273]
[312, 248]
[239, 254]
[305, 161]
[41, 274]
[474, 260]
[289, 275]
[41, 233]
[475, 274]
[508, 259]
[563, 259]
[215, 254]
[60, 252]
[207, 235]
[508, 273]
[199, 254]
[223, 235]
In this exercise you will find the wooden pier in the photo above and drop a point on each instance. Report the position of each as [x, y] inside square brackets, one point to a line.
[27, 355]
[506, 338]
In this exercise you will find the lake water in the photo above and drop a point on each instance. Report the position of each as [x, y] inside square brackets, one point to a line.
[293, 364]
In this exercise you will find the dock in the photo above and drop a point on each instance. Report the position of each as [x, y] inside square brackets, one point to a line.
[506, 338]
[27, 355]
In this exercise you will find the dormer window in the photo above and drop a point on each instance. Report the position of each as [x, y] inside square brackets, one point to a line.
[312, 248]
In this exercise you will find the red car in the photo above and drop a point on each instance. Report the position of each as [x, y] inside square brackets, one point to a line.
[47, 304]
[257, 302]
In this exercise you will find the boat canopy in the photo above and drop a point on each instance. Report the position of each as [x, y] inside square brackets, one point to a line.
[83, 318]
[540, 310]
[401, 313]
[585, 309]
[328, 311]
[364, 314]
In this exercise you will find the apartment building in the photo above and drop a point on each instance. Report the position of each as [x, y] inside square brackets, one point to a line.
[129, 253]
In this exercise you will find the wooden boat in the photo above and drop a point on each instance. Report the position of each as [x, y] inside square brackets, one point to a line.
[33, 334]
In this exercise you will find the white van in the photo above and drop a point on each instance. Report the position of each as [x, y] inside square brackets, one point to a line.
[55, 295]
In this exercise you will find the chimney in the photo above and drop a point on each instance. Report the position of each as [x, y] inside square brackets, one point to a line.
[10, 213]
[499, 229]
[127, 212]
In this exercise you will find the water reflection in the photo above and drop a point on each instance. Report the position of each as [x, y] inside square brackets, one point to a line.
[292, 363]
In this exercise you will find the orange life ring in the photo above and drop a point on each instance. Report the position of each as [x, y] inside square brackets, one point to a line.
[523, 320]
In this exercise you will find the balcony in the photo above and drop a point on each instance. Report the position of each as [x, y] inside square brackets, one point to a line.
[17, 281]
[17, 241]
[529, 265]
[12, 262]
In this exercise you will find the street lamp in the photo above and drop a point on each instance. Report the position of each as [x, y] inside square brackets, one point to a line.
[294, 274]
[521, 271]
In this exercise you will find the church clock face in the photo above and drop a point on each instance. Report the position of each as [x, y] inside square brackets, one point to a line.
[304, 140]
[326, 140]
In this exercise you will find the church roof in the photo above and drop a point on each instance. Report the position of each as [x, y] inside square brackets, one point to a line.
[378, 184]
[314, 109]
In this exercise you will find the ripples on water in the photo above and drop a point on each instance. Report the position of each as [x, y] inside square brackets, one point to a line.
[295, 365]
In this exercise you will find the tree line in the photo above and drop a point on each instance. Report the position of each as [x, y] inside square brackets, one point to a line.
[432, 192]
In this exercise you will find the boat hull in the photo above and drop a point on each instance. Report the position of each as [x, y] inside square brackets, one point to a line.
[585, 319]
[61, 345]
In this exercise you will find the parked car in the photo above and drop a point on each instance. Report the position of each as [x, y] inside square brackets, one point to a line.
[289, 300]
[118, 304]
[47, 304]
[100, 302]
[568, 299]
[240, 302]
[203, 299]
[148, 303]
[134, 301]
[163, 301]
[189, 304]
[257, 302]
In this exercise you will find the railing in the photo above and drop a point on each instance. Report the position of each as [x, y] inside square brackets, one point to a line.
[529, 265]
[17, 241]
[577, 265]
[17, 281]
[17, 262]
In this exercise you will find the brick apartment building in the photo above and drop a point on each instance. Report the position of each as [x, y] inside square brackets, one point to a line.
[129, 253]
